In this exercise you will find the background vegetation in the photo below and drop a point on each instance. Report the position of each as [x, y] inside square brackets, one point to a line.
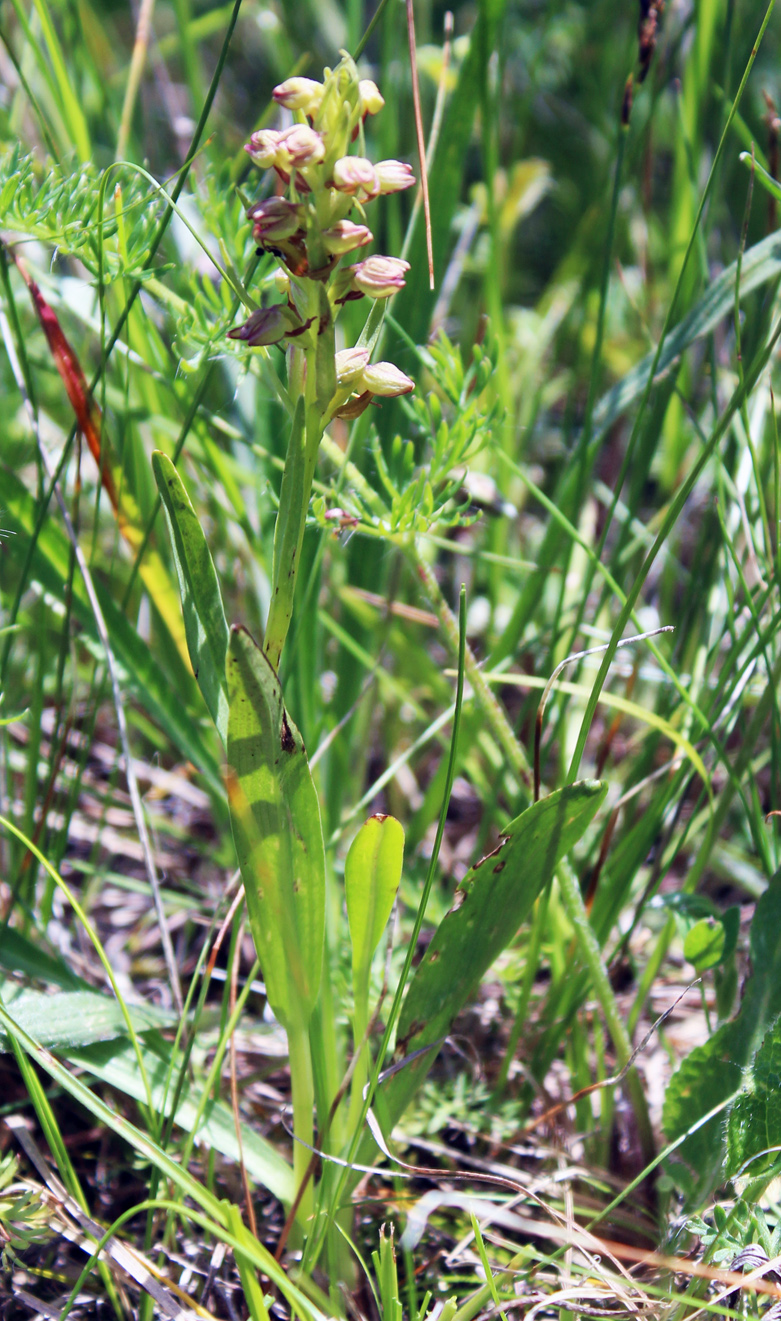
[592, 450]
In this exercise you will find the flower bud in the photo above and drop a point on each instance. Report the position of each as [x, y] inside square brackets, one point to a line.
[350, 364]
[275, 219]
[301, 146]
[394, 176]
[385, 379]
[355, 175]
[344, 236]
[263, 147]
[299, 94]
[379, 277]
[266, 326]
[370, 96]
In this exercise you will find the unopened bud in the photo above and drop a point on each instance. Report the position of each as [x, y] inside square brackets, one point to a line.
[371, 98]
[266, 326]
[356, 175]
[344, 236]
[299, 94]
[383, 378]
[379, 277]
[394, 176]
[275, 219]
[350, 364]
[263, 147]
[301, 145]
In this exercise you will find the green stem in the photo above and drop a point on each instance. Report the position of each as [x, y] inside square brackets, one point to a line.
[303, 1089]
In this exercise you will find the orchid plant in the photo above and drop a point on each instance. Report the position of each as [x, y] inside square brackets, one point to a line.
[319, 221]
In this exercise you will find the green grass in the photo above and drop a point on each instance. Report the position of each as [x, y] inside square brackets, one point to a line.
[600, 352]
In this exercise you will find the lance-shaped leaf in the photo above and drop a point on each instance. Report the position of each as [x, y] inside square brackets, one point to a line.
[491, 902]
[278, 833]
[204, 616]
[372, 872]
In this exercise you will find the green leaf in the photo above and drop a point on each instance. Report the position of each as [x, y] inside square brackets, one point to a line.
[372, 872]
[138, 669]
[705, 943]
[712, 1072]
[492, 901]
[74, 1018]
[278, 833]
[204, 617]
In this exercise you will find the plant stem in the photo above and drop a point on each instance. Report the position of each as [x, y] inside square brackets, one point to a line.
[302, 1086]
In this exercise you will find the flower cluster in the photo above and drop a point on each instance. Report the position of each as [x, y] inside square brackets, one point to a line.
[321, 219]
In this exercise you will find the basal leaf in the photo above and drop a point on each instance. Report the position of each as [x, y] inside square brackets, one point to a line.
[276, 826]
[73, 1018]
[204, 616]
[492, 901]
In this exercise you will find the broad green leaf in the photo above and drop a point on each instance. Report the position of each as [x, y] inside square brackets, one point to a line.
[372, 872]
[202, 608]
[138, 669]
[705, 944]
[276, 826]
[492, 901]
[75, 1018]
[115, 1063]
[712, 1072]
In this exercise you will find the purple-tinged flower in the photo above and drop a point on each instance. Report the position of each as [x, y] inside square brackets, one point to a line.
[394, 176]
[371, 99]
[300, 94]
[350, 364]
[383, 378]
[267, 326]
[356, 176]
[275, 219]
[263, 147]
[379, 277]
[300, 145]
[344, 237]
